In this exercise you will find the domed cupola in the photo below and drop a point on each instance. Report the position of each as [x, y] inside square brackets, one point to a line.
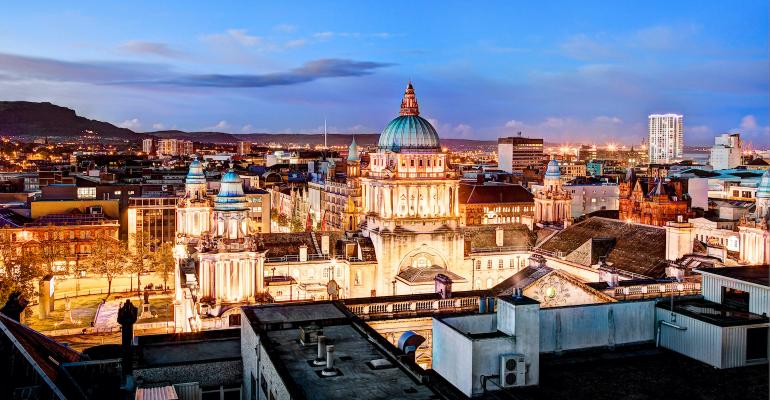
[553, 171]
[230, 196]
[195, 175]
[353, 151]
[409, 132]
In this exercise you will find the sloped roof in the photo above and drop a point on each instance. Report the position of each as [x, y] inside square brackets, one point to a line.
[638, 249]
[485, 236]
[47, 353]
[530, 275]
[425, 275]
[11, 219]
[494, 193]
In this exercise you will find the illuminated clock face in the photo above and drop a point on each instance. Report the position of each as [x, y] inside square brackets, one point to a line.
[550, 292]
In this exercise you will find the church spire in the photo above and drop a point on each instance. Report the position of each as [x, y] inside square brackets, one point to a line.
[409, 104]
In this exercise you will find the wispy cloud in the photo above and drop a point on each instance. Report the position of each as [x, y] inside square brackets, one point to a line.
[219, 126]
[234, 36]
[15, 67]
[153, 48]
[285, 28]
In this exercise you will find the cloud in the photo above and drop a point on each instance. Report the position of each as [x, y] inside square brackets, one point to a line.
[464, 130]
[751, 129]
[158, 126]
[749, 122]
[132, 124]
[234, 36]
[310, 71]
[285, 28]
[153, 48]
[247, 128]
[583, 47]
[295, 43]
[220, 126]
[15, 67]
[662, 37]
[602, 119]
[513, 124]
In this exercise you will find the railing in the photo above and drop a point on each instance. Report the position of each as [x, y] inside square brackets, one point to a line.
[415, 306]
[655, 290]
[499, 249]
[295, 258]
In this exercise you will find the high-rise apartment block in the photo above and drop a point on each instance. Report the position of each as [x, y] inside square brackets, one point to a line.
[174, 147]
[244, 148]
[666, 136]
[517, 153]
[148, 146]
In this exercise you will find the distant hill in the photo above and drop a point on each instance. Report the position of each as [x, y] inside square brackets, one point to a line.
[29, 119]
[332, 139]
[23, 118]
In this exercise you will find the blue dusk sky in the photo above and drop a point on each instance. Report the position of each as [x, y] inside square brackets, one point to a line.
[570, 71]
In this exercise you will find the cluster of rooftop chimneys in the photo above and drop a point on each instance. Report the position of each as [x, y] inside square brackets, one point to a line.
[327, 350]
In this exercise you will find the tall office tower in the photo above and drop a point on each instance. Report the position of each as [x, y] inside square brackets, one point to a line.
[147, 146]
[666, 135]
[244, 148]
[517, 153]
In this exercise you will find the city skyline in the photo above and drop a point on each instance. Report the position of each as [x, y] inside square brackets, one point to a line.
[566, 73]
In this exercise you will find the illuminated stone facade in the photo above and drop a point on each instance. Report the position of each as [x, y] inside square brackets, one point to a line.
[754, 229]
[553, 204]
[644, 202]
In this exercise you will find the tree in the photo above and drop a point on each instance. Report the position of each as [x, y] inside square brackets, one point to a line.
[19, 270]
[141, 255]
[165, 261]
[107, 258]
[52, 250]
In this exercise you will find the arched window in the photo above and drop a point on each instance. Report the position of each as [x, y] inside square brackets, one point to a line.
[489, 283]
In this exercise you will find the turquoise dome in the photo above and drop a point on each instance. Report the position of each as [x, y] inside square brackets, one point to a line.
[353, 150]
[409, 132]
[763, 191]
[195, 174]
[230, 196]
[553, 171]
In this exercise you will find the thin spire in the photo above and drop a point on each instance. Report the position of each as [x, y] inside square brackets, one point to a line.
[325, 146]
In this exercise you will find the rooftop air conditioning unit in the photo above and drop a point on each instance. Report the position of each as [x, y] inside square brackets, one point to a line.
[513, 369]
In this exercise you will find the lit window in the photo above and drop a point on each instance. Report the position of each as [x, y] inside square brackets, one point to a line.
[86, 193]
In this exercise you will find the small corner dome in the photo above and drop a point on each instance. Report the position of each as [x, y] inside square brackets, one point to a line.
[553, 169]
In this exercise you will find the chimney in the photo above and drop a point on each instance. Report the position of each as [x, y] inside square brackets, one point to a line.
[319, 359]
[126, 318]
[303, 253]
[499, 235]
[443, 286]
[329, 370]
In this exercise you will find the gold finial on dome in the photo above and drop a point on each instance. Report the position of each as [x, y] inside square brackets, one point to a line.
[409, 104]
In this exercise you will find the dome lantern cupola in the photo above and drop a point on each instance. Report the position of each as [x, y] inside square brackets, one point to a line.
[230, 196]
[409, 132]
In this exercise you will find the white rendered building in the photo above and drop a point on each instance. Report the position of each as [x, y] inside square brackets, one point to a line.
[726, 152]
[666, 138]
[754, 229]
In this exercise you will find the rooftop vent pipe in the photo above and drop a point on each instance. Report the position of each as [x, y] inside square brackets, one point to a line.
[329, 370]
[319, 360]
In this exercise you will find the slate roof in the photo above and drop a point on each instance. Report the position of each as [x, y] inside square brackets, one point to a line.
[288, 244]
[11, 219]
[424, 275]
[494, 193]
[638, 249]
[530, 275]
[484, 236]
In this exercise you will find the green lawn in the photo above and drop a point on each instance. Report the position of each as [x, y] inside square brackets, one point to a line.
[83, 310]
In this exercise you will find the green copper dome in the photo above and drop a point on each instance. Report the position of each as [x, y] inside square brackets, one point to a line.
[409, 131]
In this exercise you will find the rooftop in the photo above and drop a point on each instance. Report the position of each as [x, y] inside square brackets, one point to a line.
[635, 248]
[489, 193]
[713, 313]
[759, 274]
